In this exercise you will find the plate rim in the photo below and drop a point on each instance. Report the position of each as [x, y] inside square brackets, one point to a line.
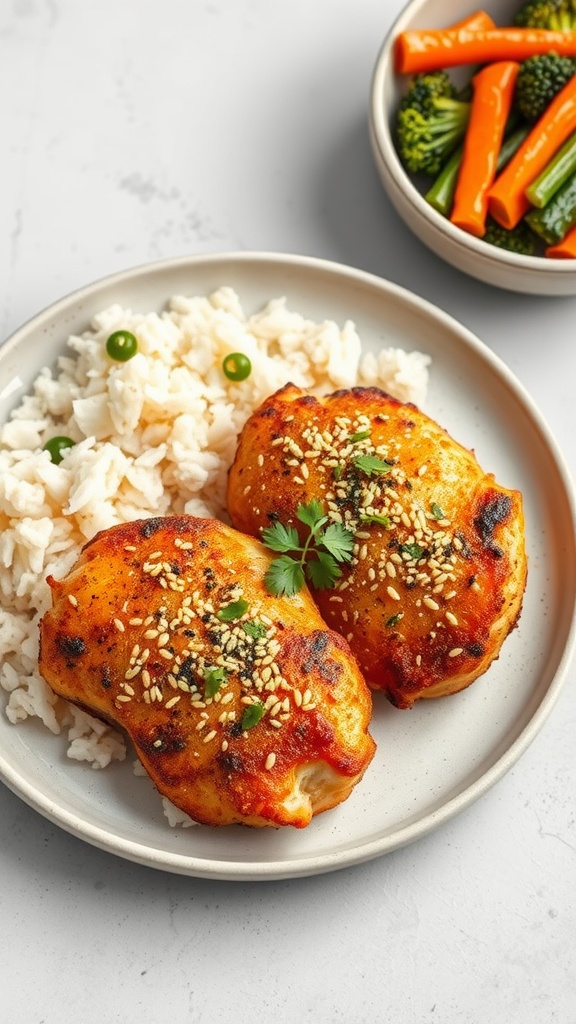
[308, 865]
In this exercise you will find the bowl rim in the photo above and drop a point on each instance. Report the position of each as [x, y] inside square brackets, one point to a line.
[382, 142]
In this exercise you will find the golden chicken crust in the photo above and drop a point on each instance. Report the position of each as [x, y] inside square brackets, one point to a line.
[439, 566]
[242, 707]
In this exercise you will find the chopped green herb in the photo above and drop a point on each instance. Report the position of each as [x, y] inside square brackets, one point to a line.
[437, 512]
[234, 610]
[361, 435]
[381, 520]
[338, 473]
[394, 619]
[254, 628]
[412, 550]
[317, 559]
[252, 715]
[213, 678]
[370, 465]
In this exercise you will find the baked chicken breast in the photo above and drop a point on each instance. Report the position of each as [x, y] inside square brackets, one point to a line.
[242, 707]
[438, 571]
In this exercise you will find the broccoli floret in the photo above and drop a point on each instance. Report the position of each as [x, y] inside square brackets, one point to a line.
[559, 15]
[519, 239]
[431, 122]
[539, 79]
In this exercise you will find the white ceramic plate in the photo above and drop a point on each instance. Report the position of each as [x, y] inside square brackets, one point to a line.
[433, 760]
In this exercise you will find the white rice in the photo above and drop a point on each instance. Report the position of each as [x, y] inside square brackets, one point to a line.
[154, 436]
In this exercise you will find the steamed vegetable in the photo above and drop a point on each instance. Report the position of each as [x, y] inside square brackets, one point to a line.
[566, 249]
[507, 199]
[431, 122]
[554, 175]
[539, 80]
[558, 15]
[420, 50]
[493, 94]
[520, 239]
[558, 216]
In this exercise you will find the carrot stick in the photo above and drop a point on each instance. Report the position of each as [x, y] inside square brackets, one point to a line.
[507, 201]
[419, 50]
[493, 92]
[566, 249]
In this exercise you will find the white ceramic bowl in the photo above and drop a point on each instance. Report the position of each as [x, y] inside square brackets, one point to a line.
[532, 274]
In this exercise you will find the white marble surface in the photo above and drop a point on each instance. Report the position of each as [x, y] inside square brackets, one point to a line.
[133, 131]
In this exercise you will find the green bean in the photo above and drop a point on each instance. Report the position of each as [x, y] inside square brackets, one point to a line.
[555, 219]
[554, 175]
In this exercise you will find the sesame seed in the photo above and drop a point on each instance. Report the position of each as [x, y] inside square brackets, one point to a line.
[119, 625]
[173, 700]
[393, 593]
[430, 603]
[270, 761]
[455, 652]
[452, 618]
[123, 698]
[73, 600]
[209, 736]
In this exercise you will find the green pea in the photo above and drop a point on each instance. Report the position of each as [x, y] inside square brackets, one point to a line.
[122, 346]
[237, 366]
[56, 447]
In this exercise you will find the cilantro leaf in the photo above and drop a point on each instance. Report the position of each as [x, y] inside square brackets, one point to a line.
[323, 571]
[436, 511]
[370, 464]
[338, 541]
[234, 610]
[312, 515]
[285, 575]
[214, 676]
[360, 435]
[281, 538]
